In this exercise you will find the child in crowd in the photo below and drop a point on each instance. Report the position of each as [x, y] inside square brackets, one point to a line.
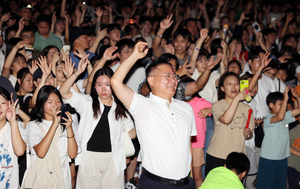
[275, 148]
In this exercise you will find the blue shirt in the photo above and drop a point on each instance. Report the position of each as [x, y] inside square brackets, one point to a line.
[75, 59]
[276, 144]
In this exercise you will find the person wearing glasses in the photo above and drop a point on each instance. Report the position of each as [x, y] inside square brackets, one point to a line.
[164, 125]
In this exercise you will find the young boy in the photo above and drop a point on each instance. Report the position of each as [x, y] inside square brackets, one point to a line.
[272, 170]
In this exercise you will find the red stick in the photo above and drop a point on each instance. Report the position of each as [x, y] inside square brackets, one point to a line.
[249, 116]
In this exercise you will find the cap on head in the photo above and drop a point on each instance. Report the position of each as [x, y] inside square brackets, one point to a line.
[76, 32]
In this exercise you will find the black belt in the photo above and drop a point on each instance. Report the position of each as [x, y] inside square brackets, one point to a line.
[176, 183]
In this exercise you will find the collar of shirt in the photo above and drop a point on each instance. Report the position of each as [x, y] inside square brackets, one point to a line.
[160, 100]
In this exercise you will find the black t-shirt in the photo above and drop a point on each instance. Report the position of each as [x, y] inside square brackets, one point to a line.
[24, 103]
[100, 139]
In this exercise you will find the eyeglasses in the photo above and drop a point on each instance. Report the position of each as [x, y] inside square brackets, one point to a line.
[169, 77]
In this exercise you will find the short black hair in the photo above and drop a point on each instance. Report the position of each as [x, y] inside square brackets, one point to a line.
[268, 31]
[27, 29]
[238, 162]
[123, 43]
[168, 57]
[287, 49]
[273, 98]
[236, 62]
[155, 64]
[111, 27]
[43, 18]
[186, 34]
[254, 53]
[215, 44]
[246, 76]
[287, 37]
[190, 20]
[144, 19]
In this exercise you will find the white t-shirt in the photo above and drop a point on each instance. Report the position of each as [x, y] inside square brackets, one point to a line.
[35, 137]
[265, 86]
[148, 39]
[164, 130]
[135, 76]
[209, 92]
[279, 84]
[13, 80]
[9, 168]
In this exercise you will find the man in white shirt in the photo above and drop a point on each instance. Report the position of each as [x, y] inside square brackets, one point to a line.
[164, 125]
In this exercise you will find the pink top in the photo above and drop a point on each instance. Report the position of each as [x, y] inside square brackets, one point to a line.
[198, 104]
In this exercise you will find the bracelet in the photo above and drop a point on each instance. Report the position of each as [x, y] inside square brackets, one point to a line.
[258, 73]
[217, 12]
[71, 136]
[196, 48]
[159, 36]
[75, 74]
[223, 67]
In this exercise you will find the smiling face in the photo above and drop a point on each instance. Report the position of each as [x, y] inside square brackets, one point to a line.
[18, 64]
[103, 88]
[181, 44]
[231, 87]
[4, 105]
[161, 85]
[201, 64]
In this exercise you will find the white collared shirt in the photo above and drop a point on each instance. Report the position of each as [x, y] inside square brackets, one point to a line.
[164, 130]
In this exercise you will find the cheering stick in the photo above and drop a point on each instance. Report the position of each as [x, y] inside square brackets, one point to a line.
[249, 116]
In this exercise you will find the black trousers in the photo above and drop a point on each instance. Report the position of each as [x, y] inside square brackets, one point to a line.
[213, 162]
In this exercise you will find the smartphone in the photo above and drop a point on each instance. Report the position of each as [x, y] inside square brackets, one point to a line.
[64, 108]
[256, 26]
[66, 48]
[132, 21]
[244, 84]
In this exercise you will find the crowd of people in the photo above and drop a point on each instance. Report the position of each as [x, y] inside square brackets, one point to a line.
[149, 94]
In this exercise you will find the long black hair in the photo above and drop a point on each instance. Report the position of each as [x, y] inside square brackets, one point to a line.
[21, 75]
[42, 97]
[120, 111]
[5, 94]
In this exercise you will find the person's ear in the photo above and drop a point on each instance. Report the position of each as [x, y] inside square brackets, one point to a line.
[19, 81]
[243, 175]
[250, 62]
[222, 89]
[188, 45]
[35, 83]
[150, 80]
[271, 105]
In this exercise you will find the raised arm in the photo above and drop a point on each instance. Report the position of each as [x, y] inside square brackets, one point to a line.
[296, 111]
[53, 22]
[67, 33]
[63, 8]
[46, 72]
[228, 115]
[123, 92]
[4, 18]
[106, 56]
[282, 110]
[66, 86]
[164, 25]
[203, 36]
[18, 144]
[9, 60]
[21, 27]
[101, 34]
[72, 145]
[196, 86]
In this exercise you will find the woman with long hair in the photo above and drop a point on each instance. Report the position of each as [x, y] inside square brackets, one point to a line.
[50, 143]
[101, 129]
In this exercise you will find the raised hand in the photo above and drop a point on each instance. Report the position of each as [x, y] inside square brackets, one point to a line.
[55, 116]
[224, 44]
[5, 17]
[203, 34]
[202, 7]
[68, 69]
[21, 24]
[84, 8]
[98, 12]
[78, 12]
[34, 66]
[108, 8]
[169, 48]
[140, 50]
[80, 52]
[166, 23]
[44, 65]
[185, 69]
[294, 93]
[285, 93]
[221, 3]
[232, 46]
[243, 16]
[54, 18]
[82, 64]
[108, 54]
[149, 4]
[11, 112]
[102, 33]
[265, 61]
[20, 45]
[212, 63]
[68, 122]
[289, 17]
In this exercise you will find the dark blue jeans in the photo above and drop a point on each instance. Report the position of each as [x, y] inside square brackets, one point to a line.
[208, 135]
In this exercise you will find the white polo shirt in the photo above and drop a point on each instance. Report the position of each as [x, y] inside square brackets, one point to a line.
[164, 130]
